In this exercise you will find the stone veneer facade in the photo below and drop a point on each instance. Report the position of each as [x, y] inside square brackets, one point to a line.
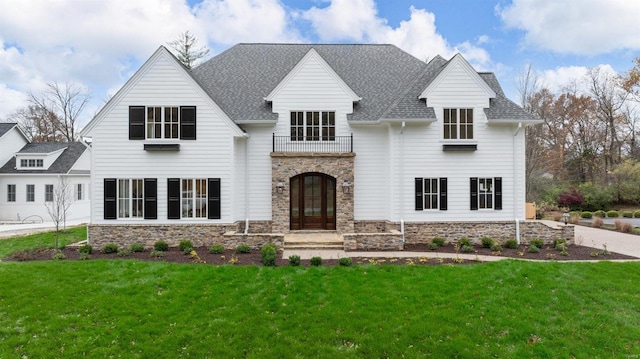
[286, 165]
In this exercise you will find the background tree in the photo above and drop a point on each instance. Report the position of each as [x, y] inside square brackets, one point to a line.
[186, 49]
[58, 208]
[67, 102]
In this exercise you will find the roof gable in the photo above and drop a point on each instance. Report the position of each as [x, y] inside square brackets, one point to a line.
[311, 57]
[5, 127]
[71, 152]
[457, 62]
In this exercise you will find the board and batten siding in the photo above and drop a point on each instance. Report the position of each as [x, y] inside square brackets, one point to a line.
[211, 155]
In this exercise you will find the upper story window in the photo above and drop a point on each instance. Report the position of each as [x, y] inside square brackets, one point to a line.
[31, 163]
[313, 126]
[458, 123]
[158, 122]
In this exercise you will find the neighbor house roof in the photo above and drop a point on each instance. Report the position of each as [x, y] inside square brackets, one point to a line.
[5, 127]
[62, 164]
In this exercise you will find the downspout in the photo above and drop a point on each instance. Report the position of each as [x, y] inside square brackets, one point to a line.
[246, 185]
[515, 176]
[401, 174]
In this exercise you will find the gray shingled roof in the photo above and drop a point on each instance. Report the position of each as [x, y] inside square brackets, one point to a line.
[501, 109]
[63, 163]
[5, 127]
[387, 79]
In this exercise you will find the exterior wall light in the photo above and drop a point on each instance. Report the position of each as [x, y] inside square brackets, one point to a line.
[565, 218]
[280, 187]
[346, 187]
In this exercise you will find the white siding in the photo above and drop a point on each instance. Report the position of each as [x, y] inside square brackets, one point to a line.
[164, 83]
[373, 189]
[259, 169]
[10, 143]
[83, 163]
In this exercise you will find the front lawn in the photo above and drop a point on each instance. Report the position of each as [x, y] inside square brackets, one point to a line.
[45, 239]
[134, 309]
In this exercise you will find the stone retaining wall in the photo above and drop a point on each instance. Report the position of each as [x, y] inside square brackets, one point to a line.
[231, 240]
[373, 241]
[375, 226]
[148, 234]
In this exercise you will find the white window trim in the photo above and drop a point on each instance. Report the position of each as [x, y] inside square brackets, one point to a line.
[193, 198]
[45, 192]
[431, 193]
[331, 138]
[163, 122]
[458, 140]
[129, 198]
[493, 194]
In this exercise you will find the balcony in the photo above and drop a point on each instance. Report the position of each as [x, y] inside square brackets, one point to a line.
[322, 144]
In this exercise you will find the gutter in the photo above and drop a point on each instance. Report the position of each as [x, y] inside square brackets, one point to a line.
[515, 174]
[401, 174]
[246, 184]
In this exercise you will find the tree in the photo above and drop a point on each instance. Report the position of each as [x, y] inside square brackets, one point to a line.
[38, 123]
[58, 208]
[186, 50]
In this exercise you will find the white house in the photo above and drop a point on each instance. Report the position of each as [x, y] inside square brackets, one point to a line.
[31, 171]
[268, 139]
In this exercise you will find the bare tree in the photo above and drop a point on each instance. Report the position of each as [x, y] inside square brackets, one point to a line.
[38, 123]
[186, 49]
[67, 102]
[58, 207]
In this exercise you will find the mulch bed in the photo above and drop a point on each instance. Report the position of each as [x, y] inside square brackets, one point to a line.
[230, 257]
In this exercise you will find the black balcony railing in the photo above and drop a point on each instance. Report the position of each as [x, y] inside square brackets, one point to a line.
[324, 144]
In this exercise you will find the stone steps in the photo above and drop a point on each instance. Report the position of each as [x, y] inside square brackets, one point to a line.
[313, 240]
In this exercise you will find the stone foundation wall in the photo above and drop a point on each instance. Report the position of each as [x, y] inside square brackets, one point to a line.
[373, 241]
[532, 229]
[148, 234]
[255, 226]
[231, 240]
[375, 226]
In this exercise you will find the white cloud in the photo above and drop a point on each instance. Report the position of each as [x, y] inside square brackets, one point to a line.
[585, 27]
[10, 101]
[568, 76]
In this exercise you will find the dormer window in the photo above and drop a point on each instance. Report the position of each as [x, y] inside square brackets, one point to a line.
[458, 123]
[31, 163]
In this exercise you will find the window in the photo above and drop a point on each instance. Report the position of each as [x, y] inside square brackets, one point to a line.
[130, 198]
[194, 198]
[458, 123]
[31, 193]
[79, 191]
[313, 126]
[11, 193]
[486, 193]
[431, 193]
[31, 163]
[157, 122]
[48, 193]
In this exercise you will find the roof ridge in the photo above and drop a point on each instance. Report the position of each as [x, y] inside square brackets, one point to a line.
[404, 93]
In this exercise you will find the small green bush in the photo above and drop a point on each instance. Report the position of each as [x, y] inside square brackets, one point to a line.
[433, 246]
[136, 247]
[83, 256]
[467, 248]
[613, 214]
[58, 256]
[268, 254]
[156, 253]
[586, 214]
[496, 247]
[294, 260]
[537, 242]
[345, 261]
[600, 213]
[87, 248]
[533, 249]
[511, 243]
[559, 241]
[574, 213]
[161, 246]
[487, 242]
[561, 247]
[110, 248]
[627, 214]
[243, 248]
[123, 252]
[464, 241]
[438, 241]
[636, 214]
[186, 246]
[316, 261]
[216, 249]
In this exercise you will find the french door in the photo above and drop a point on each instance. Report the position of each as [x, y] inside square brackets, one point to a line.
[313, 201]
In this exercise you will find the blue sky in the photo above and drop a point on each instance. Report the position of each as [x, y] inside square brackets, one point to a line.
[99, 44]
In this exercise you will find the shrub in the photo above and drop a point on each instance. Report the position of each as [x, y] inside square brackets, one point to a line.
[533, 249]
[487, 242]
[58, 256]
[186, 246]
[627, 214]
[83, 256]
[161, 246]
[433, 246]
[618, 224]
[626, 227]
[345, 261]
[511, 243]
[136, 247]
[496, 247]
[467, 248]
[110, 248]
[537, 242]
[561, 247]
[600, 213]
[597, 222]
[438, 241]
[636, 214]
[613, 214]
[123, 252]
[268, 254]
[595, 196]
[574, 219]
[574, 213]
[87, 248]
[316, 261]
[216, 249]
[571, 199]
[586, 214]
[243, 248]
[558, 241]
[294, 260]
[464, 241]
[156, 253]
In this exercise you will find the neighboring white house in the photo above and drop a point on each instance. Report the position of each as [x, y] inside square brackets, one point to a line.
[30, 172]
[273, 138]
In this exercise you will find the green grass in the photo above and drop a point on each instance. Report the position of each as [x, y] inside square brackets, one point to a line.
[45, 239]
[133, 309]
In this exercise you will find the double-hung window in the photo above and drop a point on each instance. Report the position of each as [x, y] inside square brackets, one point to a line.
[48, 193]
[486, 193]
[313, 126]
[11, 193]
[130, 198]
[31, 193]
[431, 193]
[162, 122]
[194, 198]
[79, 192]
[458, 123]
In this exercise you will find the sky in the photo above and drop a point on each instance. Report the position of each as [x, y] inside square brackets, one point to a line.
[98, 45]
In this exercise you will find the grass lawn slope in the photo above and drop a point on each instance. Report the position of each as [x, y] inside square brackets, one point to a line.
[137, 309]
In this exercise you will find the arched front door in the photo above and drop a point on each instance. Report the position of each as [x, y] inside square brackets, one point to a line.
[313, 201]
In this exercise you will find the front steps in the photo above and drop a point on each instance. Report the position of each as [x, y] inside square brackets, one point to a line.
[318, 240]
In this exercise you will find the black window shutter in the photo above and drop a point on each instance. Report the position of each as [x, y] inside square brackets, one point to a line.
[214, 198]
[497, 187]
[110, 211]
[474, 193]
[443, 194]
[173, 193]
[419, 195]
[188, 123]
[150, 198]
[136, 122]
